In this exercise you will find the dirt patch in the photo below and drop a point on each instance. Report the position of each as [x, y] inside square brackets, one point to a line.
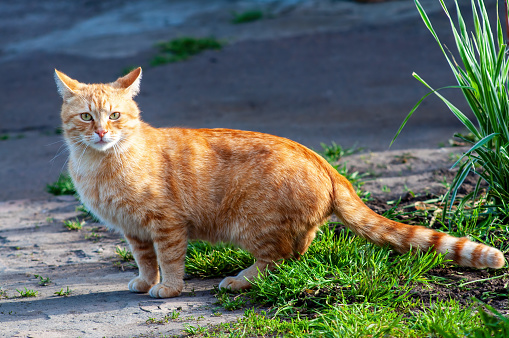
[465, 284]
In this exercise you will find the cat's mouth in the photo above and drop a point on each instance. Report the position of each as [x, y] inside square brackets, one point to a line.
[103, 144]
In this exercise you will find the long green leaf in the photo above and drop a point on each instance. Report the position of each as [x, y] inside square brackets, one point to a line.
[463, 119]
[417, 106]
[479, 144]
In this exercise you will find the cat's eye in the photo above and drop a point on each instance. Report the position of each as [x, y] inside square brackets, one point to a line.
[114, 116]
[86, 117]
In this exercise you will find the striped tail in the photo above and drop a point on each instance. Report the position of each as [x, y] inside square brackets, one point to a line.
[402, 237]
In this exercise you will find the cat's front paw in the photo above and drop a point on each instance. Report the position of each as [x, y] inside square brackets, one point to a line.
[139, 285]
[164, 291]
[235, 283]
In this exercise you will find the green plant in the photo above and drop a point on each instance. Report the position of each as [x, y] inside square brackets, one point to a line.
[4, 137]
[206, 260]
[247, 16]
[27, 293]
[63, 186]
[334, 152]
[43, 281]
[125, 254]
[183, 48]
[93, 235]
[63, 293]
[228, 302]
[74, 225]
[194, 330]
[174, 315]
[488, 325]
[408, 190]
[483, 78]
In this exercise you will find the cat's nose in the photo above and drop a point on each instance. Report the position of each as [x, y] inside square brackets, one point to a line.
[101, 132]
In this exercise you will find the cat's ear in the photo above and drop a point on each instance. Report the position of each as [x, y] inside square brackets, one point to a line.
[130, 82]
[66, 86]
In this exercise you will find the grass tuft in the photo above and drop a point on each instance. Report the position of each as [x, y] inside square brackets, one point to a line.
[247, 16]
[125, 254]
[74, 225]
[334, 152]
[206, 260]
[229, 302]
[63, 293]
[63, 186]
[43, 281]
[183, 48]
[27, 293]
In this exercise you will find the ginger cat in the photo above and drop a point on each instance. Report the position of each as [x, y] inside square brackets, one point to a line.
[267, 194]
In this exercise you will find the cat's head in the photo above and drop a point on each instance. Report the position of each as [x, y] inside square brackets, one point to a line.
[99, 116]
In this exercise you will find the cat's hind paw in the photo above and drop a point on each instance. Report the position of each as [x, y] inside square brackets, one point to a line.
[235, 283]
[163, 291]
[139, 285]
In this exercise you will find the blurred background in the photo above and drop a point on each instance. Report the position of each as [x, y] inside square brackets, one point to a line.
[310, 70]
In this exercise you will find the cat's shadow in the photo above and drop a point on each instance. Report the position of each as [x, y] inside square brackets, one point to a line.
[88, 304]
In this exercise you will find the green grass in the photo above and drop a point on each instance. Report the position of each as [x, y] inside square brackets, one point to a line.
[229, 302]
[27, 293]
[43, 281]
[125, 254]
[334, 152]
[247, 16]
[63, 186]
[206, 260]
[74, 224]
[183, 48]
[174, 315]
[63, 293]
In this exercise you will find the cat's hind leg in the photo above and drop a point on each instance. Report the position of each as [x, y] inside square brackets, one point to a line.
[241, 281]
[270, 249]
[146, 258]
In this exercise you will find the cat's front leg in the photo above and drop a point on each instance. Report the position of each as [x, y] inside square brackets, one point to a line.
[146, 258]
[171, 246]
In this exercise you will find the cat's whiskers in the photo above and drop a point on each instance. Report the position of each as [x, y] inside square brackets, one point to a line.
[60, 152]
[81, 142]
[66, 147]
[59, 141]
[75, 141]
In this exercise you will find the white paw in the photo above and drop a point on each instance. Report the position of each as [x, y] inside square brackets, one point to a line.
[235, 283]
[226, 283]
[163, 291]
[139, 285]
